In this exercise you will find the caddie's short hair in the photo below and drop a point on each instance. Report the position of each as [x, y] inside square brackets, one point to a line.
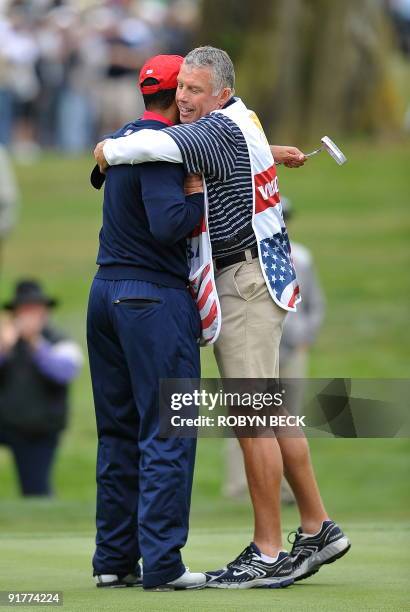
[223, 72]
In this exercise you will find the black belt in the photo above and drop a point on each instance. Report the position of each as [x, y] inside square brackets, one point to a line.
[229, 260]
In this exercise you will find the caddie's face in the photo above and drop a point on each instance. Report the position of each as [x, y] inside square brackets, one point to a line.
[195, 96]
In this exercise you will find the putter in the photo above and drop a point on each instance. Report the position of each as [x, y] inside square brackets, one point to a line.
[333, 150]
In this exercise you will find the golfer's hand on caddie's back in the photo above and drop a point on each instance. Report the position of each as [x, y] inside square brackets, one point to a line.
[99, 156]
[193, 184]
[291, 157]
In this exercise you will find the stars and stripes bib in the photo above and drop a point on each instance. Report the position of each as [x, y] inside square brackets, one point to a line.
[268, 226]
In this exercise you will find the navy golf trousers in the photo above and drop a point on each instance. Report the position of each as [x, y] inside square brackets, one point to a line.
[137, 333]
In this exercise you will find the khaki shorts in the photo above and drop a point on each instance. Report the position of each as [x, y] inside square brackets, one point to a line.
[248, 345]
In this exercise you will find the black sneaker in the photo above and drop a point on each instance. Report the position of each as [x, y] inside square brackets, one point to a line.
[310, 552]
[116, 581]
[248, 571]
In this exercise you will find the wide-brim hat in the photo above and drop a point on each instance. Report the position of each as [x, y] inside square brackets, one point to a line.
[29, 292]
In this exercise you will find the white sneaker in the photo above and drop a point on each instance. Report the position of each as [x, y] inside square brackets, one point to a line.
[115, 581]
[188, 580]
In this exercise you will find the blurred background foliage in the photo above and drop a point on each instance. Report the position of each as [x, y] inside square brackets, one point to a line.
[307, 67]
[310, 66]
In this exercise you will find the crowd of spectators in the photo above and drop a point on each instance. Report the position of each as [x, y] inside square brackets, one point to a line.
[67, 67]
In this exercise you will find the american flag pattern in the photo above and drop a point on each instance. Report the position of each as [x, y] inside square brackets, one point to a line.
[202, 280]
[268, 225]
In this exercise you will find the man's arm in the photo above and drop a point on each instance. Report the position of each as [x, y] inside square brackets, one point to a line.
[171, 214]
[155, 145]
[291, 157]
[207, 147]
[137, 148]
[60, 362]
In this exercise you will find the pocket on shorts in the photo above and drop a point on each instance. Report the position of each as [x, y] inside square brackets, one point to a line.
[245, 280]
[137, 302]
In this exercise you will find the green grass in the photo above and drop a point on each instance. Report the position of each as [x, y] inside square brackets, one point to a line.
[373, 576]
[356, 221]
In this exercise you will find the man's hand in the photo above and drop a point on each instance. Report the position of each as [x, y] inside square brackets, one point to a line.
[291, 157]
[8, 335]
[99, 157]
[193, 184]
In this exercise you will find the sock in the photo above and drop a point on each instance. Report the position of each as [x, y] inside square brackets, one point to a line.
[268, 559]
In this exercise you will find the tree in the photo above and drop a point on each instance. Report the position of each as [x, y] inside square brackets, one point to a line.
[308, 67]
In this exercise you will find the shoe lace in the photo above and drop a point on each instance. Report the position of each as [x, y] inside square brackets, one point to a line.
[295, 542]
[244, 558]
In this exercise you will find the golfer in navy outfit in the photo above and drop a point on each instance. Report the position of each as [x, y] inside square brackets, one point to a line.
[142, 326]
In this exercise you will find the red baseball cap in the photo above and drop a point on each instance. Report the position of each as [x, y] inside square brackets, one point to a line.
[162, 68]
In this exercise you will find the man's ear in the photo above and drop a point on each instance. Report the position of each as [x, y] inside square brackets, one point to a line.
[224, 96]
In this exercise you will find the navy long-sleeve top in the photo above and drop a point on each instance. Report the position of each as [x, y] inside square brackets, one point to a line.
[146, 219]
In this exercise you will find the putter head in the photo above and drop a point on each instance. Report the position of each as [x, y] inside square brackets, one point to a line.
[333, 150]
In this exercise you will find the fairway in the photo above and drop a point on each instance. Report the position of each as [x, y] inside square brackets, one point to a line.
[373, 576]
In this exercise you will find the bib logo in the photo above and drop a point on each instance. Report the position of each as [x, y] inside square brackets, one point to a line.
[266, 189]
[269, 189]
[255, 119]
